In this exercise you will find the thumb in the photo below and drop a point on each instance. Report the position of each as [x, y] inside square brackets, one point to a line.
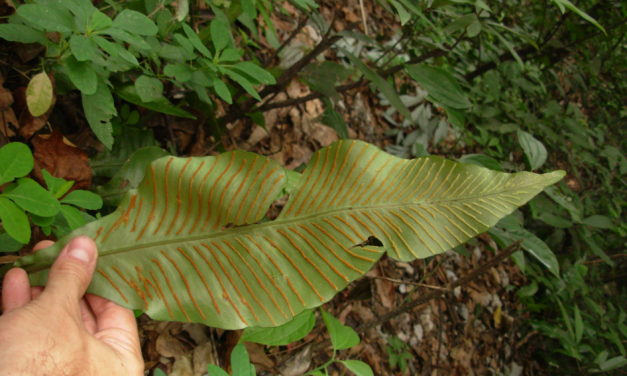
[72, 271]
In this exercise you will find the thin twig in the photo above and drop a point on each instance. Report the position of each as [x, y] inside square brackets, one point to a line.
[399, 282]
[437, 293]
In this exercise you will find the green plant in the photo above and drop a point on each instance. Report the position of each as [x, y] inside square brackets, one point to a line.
[398, 353]
[161, 249]
[54, 210]
[121, 50]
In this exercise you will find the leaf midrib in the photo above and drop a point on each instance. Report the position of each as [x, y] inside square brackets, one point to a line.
[280, 222]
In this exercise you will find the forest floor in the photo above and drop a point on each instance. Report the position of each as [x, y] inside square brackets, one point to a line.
[473, 329]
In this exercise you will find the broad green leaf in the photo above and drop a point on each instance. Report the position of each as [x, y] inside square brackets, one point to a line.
[129, 94]
[73, 217]
[116, 50]
[189, 243]
[333, 119]
[181, 72]
[182, 10]
[149, 89]
[482, 160]
[99, 21]
[83, 48]
[16, 160]
[82, 75]
[8, 244]
[135, 22]
[243, 82]
[159, 372]
[213, 370]
[33, 198]
[381, 84]
[48, 17]
[21, 33]
[14, 221]
[292, 331]
[358, 367]
[534, 150]
[127, 37]
[342, 336]
[57, 186]
[599, 221]
[39, 95]
[83, 199]
[99, 110]
[240, 362]
[440, 84]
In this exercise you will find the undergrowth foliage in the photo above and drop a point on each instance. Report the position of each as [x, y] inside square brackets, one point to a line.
[505, 85]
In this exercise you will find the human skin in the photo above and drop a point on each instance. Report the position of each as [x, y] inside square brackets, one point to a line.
[58, 330]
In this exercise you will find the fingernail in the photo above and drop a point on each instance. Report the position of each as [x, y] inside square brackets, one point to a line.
[80, 254]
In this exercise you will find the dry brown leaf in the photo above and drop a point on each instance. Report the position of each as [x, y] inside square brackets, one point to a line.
[62, 159]
[258, 356]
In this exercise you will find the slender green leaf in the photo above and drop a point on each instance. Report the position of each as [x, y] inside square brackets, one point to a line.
[342, 336]
[149, 89]
[16, 160]
[39, 96]
[223, 91]
[195, 41]
[573, 8]
[243, 82]
[14, 221]
[599, 221]
[129, 94]
[7, 243]
[83, 48]
[534, 150]
[83, 199]
[240, 362]
[181, 72]
[214, 370]
[380, 83]
[57, 186]
[99, 110]
[256, 72]
[292, 331]
[533, 245]
[441, 85]
[578, 324]
[220, 32]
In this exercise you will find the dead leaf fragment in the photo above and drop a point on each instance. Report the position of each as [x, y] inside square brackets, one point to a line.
[62, 159]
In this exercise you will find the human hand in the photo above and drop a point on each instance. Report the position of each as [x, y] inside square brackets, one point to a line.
[58, 330]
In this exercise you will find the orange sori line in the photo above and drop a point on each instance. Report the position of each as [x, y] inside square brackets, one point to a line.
[362, 223]
[346, 178]
[399, 233]
[131, 284]
[411, 176]
[328, 188]
[395, 173]
[190, 203]
[122, 219]
[153, 204]
[98, 232]
[127, 213]
[106, 276]
[434, 228]
[250, 253]
[337, 217]
[359, 194]
[276, 181]
[383, 231]
[300, 298]
[308, 200]
[145, 281]
[178, 195]
[319, 254]
[289, 305]
[253, 183]
[166, 199]
[304, 256]
[225, 189]
[347, 250]
[162, 295]
[416, 233]
[452, 234]
[435, 178]
[213, 187]
[139, 211]
[245, 180]
[259, 281]
[186, 283]
[202, 278]
[225, 294]
[228, 276]
[313, 234]
[357, 183]
[250, 291]
[310, 183]
[172, 290]
[201, 191]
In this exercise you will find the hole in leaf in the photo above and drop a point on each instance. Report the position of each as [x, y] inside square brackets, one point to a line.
[371, 241]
